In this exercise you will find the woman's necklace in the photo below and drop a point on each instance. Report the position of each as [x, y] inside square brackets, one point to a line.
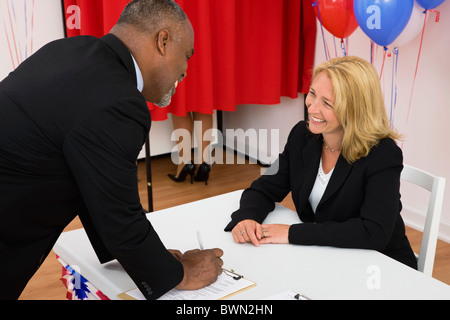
[326, 147]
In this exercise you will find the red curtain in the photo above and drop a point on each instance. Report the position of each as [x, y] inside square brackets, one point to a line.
[246, 51]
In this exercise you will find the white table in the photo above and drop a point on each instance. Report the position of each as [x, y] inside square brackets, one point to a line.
[317, 272]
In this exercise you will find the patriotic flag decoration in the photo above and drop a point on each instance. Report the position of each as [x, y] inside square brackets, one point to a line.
[78, 288]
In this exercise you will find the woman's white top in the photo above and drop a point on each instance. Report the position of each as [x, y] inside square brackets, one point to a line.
[319, 186]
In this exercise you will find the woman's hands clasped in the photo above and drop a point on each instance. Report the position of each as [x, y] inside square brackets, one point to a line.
[256, 233]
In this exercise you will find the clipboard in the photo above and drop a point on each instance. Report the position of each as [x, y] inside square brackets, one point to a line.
[228, 284]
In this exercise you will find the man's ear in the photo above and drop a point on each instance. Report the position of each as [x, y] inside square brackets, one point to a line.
[162, 40]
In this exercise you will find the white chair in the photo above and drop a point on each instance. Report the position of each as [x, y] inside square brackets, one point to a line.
[436, 186]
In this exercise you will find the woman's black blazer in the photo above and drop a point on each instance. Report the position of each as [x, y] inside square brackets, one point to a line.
[360, 207]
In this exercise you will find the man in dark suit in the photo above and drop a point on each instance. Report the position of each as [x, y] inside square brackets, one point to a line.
[72, 122]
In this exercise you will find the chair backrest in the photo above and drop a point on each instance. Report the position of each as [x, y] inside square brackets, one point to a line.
[436, 186]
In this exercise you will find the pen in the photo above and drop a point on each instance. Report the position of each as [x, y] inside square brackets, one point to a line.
[299, 296]
[200, 243]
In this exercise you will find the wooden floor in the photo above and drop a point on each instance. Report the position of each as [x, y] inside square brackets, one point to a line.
[45, 285]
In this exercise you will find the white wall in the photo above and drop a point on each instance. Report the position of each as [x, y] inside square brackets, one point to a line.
[427, 130]
[279, 118]
[46, 25]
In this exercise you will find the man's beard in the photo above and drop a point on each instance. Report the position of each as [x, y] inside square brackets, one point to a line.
[166, 99]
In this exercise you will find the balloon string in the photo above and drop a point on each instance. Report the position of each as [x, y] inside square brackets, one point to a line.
[335, 48]
[438, 14]
[396, 52]
[344, 46]
[9, 46]
[32, 28]
[344, 50]
[417, 66]
[371, 52]
[15, 46]
[13, 35]
[377, 47]
[26, 28]
[394, 86]
[382, 65]
[19, 43]
[315, 3]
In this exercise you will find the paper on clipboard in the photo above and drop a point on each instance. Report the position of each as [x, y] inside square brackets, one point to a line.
[287, 295]
[224, 287]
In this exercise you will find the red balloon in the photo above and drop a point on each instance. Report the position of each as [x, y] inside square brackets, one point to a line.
[336, 16]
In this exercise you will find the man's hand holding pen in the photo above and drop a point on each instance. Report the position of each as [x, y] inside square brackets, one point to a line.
[201, 267]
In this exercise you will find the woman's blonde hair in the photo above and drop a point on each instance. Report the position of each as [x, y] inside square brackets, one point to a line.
[359, 105]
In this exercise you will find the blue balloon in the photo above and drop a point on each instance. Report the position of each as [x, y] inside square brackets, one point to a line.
[383, 20]
[429, 4]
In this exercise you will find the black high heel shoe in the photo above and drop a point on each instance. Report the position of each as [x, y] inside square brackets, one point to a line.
[188, 168]
[203, 173]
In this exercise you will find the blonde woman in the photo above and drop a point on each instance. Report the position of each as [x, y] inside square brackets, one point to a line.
[342, 166]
